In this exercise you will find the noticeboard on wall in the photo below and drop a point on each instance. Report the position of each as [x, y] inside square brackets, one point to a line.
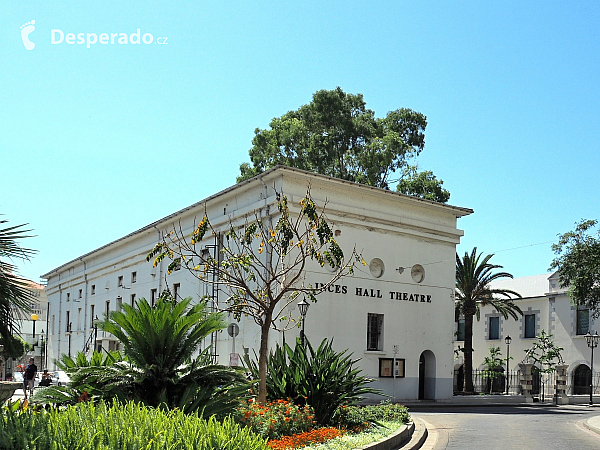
[391, 368]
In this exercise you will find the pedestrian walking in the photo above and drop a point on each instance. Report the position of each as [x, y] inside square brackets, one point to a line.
[29, 377]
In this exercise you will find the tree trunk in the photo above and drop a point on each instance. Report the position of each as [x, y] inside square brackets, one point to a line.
[468, 354]
[262, 358]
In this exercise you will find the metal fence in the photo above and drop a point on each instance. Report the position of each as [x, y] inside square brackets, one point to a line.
[542, 384]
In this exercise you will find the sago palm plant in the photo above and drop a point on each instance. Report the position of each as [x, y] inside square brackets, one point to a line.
[159, 368]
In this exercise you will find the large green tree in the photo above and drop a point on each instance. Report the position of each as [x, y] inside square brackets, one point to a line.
[425, 185]
[578, 264]
[15, 296]
[337, 135]
[474, 273]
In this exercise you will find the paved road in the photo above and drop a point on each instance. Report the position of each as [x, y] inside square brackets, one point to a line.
[508, 428]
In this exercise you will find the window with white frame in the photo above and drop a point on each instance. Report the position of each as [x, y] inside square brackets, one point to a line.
[374, 332]
[133, 277]
[93, 289]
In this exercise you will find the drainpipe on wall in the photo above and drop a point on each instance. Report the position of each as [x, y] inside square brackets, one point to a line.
[85, 308]
[159, 291]
[58, 332]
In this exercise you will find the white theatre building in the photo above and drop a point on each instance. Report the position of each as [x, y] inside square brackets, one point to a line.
[394, 314]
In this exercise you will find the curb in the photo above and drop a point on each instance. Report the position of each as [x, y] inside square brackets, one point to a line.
[591, 427]
[394, 440]
[419, 436]
[408, 437]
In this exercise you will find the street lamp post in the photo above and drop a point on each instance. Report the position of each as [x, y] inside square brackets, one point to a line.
[508, 340]
[592, 342]
[303, 307]
[42, 349]
[34, 318]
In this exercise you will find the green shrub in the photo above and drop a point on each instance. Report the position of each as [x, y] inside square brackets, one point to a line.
[356, 418]
[275, 419]
[322, 378]
[130, 426]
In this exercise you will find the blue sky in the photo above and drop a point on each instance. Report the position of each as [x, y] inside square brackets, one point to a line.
[98, 142]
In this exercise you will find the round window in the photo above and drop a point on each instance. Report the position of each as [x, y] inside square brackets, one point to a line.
[417, 272]
[376, 267]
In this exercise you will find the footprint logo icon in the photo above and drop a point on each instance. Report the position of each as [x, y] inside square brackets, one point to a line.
[26, 29]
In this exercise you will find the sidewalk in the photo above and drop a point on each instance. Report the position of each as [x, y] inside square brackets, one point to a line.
[593, 424]
[495, 400]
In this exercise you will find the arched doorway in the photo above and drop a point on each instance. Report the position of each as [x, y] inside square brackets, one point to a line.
[427, 376]
[582, 378]
[459, 378]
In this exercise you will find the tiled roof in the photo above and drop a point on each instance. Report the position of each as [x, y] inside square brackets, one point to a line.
[531, 286]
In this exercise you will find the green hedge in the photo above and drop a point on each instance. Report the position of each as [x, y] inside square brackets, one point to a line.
[129, 427]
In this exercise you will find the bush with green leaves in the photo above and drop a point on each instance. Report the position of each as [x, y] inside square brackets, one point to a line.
[275, 419]
[130, 426]
[322, 378]
[158, 368]
[71, 394]
[356, 418]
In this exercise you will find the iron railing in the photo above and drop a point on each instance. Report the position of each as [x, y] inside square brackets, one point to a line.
[542, 384]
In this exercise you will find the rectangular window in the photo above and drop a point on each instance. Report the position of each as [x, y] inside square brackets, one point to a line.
[391, 367]
[494, 328]
[78, 319]
[133, 277]
[68, 322]
[583, 321]
[92, 315]
[68, 296]
[152, 297]
[132, 299]
[460, 332]
[107, 307]
[175, 290]
[119, 303]
[529, 326]
[120, 281]
[80, 293]
[374, 331]
[93, 289]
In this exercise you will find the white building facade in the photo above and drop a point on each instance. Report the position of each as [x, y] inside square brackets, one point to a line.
[546, 306]
[392, 314]
[34, 332]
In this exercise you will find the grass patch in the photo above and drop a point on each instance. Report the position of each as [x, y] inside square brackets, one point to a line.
[356, 440]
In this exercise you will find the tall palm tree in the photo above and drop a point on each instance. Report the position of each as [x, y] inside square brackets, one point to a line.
[159, 367]
[15, 297]
[474, 273]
